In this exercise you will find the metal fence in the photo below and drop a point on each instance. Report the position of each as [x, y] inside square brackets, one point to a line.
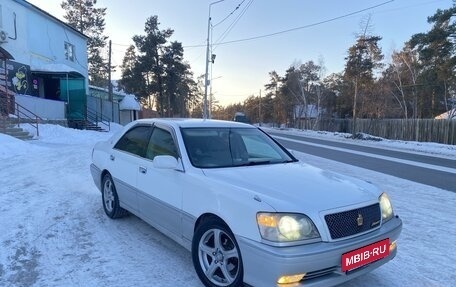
[422, 130]
[108, 110]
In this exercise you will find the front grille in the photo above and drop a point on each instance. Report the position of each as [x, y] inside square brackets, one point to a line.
[346, 223]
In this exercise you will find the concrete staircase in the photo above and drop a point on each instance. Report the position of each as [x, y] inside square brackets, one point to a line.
[6, 127]
[85, 125]
[93, 127]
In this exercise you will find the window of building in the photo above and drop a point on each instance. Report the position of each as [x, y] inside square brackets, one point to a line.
[69, 52]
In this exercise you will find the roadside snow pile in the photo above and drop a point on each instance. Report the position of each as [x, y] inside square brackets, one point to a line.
[61, 135]
[51, 135]
[11, 146]
[364, 137]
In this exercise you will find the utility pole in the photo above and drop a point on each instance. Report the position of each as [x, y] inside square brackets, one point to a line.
[209, 111]
[206, 81]
[109, 82]
[259, 110]
[207, 65]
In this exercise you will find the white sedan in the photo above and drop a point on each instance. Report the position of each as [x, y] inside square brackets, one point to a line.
[246, 208]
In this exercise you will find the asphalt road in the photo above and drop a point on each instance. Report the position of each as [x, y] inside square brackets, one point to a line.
[434, 171]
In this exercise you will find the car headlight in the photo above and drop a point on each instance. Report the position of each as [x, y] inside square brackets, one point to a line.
[286, 227]
[386, 207]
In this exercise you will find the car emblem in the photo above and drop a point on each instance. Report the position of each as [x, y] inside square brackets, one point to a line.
[360, 220]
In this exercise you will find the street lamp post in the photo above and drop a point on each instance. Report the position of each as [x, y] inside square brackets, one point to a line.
[211, 96]
[205, 112]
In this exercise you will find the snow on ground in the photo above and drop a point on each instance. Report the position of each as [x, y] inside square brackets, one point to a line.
[54, 231]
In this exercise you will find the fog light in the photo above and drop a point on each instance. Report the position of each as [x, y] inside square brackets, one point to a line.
[290, 278]
[392, 246]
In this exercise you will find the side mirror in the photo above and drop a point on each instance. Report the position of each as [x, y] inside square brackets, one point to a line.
[165, 162]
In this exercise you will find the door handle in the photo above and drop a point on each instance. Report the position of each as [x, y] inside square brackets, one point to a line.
[111, 157]
[142, 170]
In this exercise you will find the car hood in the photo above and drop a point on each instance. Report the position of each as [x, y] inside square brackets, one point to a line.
[297, 187]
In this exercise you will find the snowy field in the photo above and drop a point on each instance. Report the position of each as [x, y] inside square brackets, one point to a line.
[53, 231]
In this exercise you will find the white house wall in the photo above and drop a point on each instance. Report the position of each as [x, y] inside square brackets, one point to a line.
[45, 109]
[40, 38]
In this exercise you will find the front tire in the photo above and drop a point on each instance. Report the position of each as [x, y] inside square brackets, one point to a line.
[216, 255]
[110, 198]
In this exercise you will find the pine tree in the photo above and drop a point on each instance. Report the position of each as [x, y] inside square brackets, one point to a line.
[437, 55]
[154, 68]
[151, 47]
[132, 81]
[176, 79]
[89, 20]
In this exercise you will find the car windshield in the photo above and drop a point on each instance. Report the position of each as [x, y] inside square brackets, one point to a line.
[231, 147]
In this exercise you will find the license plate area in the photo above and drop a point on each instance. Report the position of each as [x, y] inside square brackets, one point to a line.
[365, 255]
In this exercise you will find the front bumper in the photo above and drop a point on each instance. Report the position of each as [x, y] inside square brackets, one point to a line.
[264, 264]
[96, 175]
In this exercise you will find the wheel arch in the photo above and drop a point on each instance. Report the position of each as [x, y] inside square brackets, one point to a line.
[206, 216]
[103, 173]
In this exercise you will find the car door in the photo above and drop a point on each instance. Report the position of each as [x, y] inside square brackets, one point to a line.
[125, 160]
[160, 190]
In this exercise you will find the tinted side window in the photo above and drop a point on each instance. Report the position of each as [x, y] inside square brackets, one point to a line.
[161, 143]
[135, 140]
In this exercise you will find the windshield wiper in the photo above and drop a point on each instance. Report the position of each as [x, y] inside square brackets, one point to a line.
[263, 162]
[260, 162]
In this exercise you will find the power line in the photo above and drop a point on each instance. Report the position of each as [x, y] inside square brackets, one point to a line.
[306, 26]
[228, 30]
[298, 28]
[232, 12]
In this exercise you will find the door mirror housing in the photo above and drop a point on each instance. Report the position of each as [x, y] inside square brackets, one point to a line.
[165, 162]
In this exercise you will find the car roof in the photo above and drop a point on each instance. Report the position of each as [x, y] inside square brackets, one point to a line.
[195, 123]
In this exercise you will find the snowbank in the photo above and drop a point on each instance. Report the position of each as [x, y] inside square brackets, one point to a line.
[11, 146]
